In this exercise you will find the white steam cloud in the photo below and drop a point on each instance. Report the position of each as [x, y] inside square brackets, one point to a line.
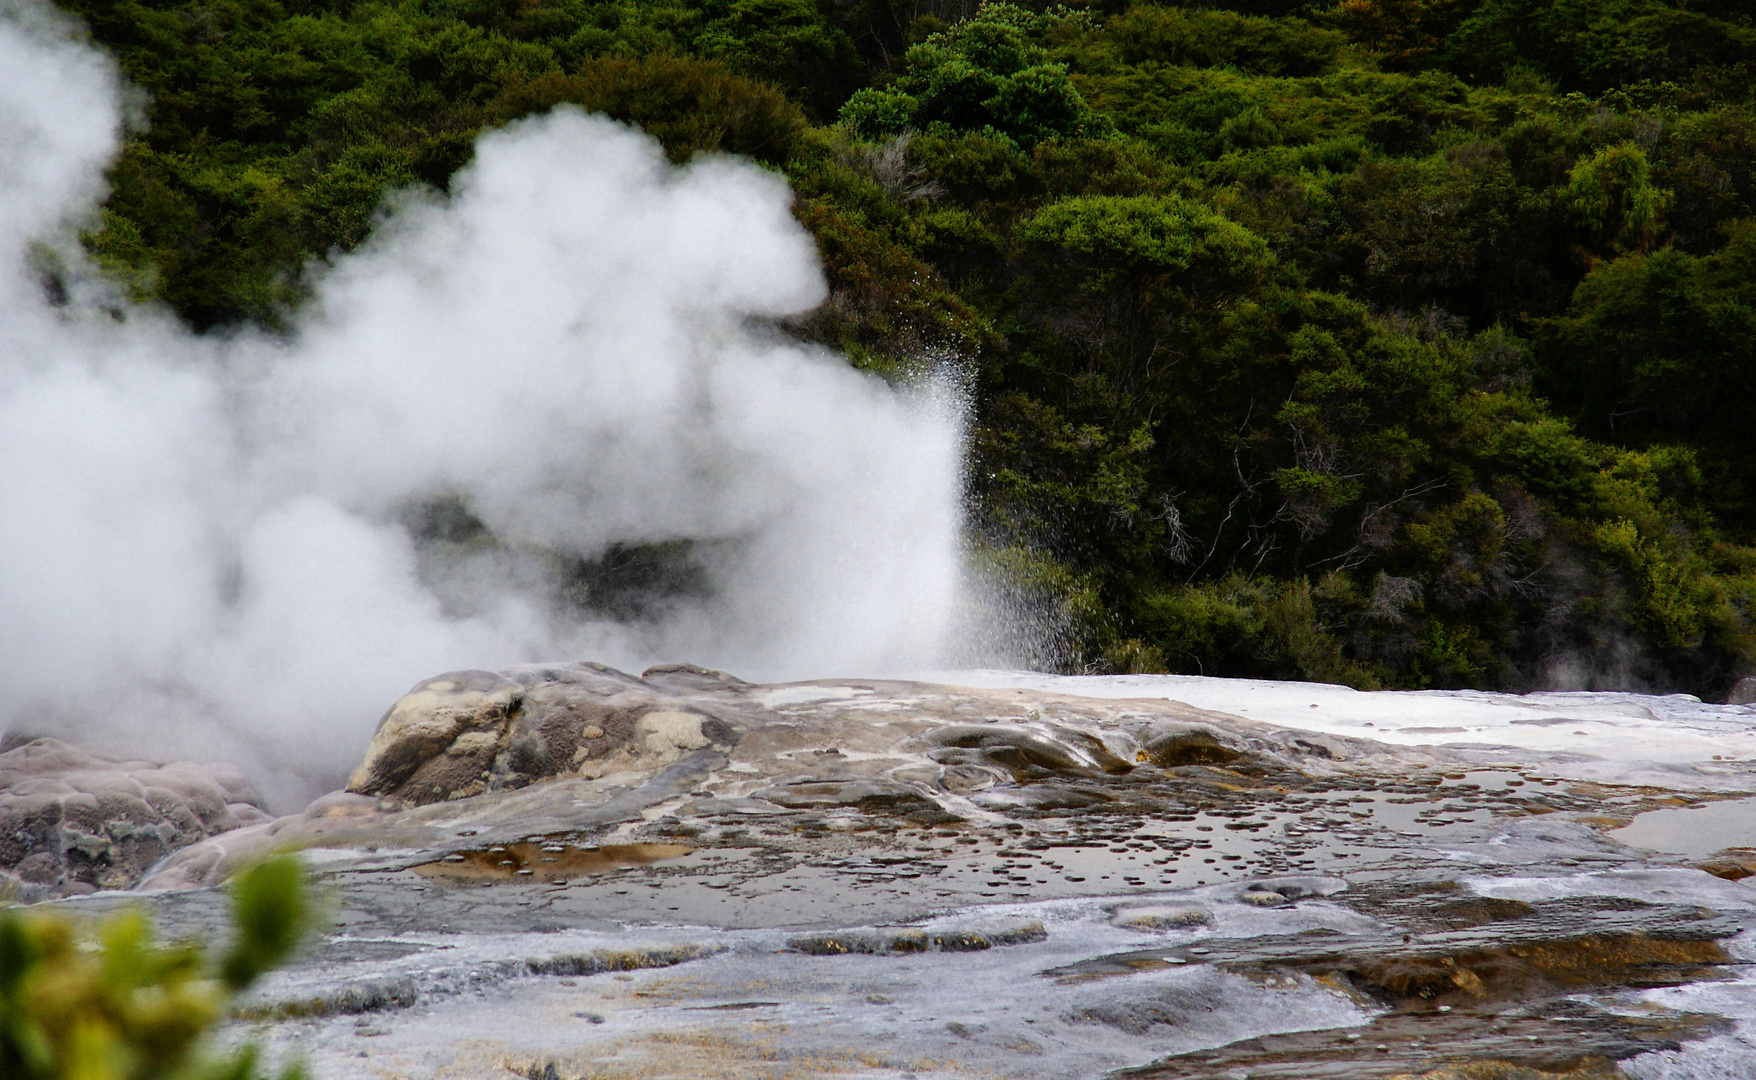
[206, 544]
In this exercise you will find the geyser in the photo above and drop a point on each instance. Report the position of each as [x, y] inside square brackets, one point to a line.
[227, 546]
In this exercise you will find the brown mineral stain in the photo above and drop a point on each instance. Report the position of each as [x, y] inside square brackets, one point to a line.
[1523, 969]
[1591, 1068]
[538, 860]
[1733, 864]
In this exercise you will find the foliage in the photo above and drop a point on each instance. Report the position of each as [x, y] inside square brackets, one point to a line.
[1613, 192]
[110, 1003]
[1594, 45]
[692, 106]
[1661, 348]
[1395, 342]
[988, 73]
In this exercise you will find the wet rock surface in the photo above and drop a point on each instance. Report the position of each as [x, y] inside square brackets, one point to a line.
[72, 823]
[871, 878]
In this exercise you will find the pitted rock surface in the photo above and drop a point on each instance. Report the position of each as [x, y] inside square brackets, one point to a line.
[72, 823]
[469, 732]
[680, 873]
[556, 747]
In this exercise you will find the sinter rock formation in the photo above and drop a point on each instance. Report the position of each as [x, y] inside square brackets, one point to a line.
[468, 732]
[570, 871]
[544, 748]
[72, 823]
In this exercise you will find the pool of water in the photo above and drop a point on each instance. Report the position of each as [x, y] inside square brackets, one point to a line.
[1695, 831]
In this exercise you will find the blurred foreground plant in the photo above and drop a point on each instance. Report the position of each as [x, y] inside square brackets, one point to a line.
[110, 1003]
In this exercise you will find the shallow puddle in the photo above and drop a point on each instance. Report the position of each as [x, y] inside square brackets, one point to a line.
[1694, 831]
[546, 861]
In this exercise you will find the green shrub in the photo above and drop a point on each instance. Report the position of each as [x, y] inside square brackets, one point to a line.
[689, 105]
[1613, 194]
[109, 1002]
[991, 72]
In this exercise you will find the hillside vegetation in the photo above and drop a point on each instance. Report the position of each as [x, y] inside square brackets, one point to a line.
[1388, 342]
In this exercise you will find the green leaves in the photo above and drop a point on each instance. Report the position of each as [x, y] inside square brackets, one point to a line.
[1591, 45]
[1112, 238]
[879, 112]
[1660, 348]
[1142, 233]
[270, 913]
[1613, 193]
[690, 105]
[115, 1004]
[785, 43]
[1346, 347]
[988, 73]
[1150, 34]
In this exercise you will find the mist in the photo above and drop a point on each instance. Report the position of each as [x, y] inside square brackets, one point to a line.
[543, 417]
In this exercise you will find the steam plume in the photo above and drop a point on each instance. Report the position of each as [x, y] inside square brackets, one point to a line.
[248, 546]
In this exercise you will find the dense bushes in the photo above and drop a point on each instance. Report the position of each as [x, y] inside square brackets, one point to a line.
[989, 73]
[694, 106]
[1396, 342]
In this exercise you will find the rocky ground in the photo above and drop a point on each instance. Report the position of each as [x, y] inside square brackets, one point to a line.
[72, 824]
[567, 871]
